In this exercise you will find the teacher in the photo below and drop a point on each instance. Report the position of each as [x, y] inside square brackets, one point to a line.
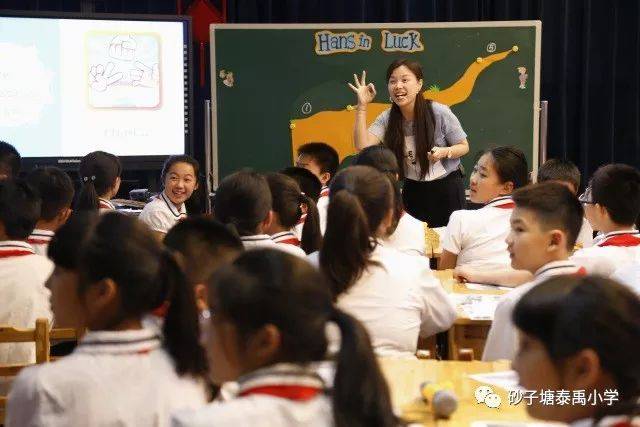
[426, 138]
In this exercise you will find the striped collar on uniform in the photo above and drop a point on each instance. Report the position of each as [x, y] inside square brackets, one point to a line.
[284, 380]
[138, 341]
[105, 204]
[556, 268]
[620, 238]
[14, 248]
[286, 237]
[324, 191]
[40, 237]
[503, 202]
[177, 213]
[256, 238]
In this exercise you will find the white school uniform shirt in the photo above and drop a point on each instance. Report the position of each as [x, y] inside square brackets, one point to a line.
[105, 205]
[408, 237]
[323, 206]
[23, 296]
[122, 378]
[585, 236]
[629, 275]
[610, 252]
[39, 240]
[264, 241]
[397, 301]
[256, 404]
[161, 214]
[502, 341]
[477, 237]
[288, 242]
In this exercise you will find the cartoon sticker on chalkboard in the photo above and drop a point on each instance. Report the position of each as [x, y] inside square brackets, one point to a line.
[227, 78]
[522, 71]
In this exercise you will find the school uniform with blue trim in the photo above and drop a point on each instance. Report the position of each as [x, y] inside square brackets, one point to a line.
[39, 241]
[161, 214]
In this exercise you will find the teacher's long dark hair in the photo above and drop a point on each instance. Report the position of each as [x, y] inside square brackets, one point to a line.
[423, 123]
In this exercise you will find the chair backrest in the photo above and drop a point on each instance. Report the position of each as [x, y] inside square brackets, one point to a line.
[39, 335]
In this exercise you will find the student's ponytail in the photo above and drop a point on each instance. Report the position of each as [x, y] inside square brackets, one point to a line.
[181, 327]
[98, 173]
[87, 197]
[311, 239]
[363, 399]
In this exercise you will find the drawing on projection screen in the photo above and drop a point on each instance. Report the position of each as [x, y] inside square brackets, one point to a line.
[123, 70]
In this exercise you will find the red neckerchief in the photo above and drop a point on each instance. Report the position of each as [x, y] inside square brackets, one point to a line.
[324, 192]
[504, 202]
[286, 237]
[10, 251]
[626, 239]
[294, 392]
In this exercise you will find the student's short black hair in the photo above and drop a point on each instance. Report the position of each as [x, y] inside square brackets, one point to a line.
[560, 170]
[323, 154]
[308, 182]
[19, 208]
[55, 189]
[617, 187]
[554, 206]
[10, 160]
[204, 244]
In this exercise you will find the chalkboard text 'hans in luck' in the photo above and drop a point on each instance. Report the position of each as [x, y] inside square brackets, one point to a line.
[328, 43]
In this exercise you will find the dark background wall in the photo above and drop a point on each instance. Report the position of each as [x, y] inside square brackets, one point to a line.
[590, 56]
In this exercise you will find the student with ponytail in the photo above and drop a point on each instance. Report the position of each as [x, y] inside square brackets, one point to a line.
[288, 204]
[395, 295]
[268, 329]
[99, 181]
[110, 271]
[581, 334]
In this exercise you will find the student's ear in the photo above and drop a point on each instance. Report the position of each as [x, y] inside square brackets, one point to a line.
[508, 187]
[116, 186]
[386, 223]
[102, 300]
[200, 293]
[63, 216]
[325, 177]
[265, 344]
[420, 82]
[266, 223]
[556, 239]
[582, 371]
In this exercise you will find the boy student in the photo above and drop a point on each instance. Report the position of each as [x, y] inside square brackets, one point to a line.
[56, 194]
[322, 160]
[611, 204]
[22, 273]
[544, 225]
[566, 172]
[10, 161]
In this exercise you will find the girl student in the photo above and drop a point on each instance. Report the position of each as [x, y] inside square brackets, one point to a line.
[180, 179]
[572, 330]
[406, 233]
[475, 239]
[395, 295]
[288, 204]
[271, 312]
[109, 272]
[99, 181]
[425, 136]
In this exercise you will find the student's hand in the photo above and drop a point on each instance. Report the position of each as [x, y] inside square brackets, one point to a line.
[439, 153]
[463, 274]
[366, 92]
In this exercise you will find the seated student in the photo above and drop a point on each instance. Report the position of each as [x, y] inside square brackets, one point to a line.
[23, 273]
[395, 295]
[544, 227]
[99, 181]
[629, 275]
[10, 161]
[611, 204]
[475, 238]
[110, 271]
[581, 335]
[567, 173]
[288, 203]
[322, 160]
[272, 310]
[56, 193]
[179, 180]
[204, 245]
[406, 234]
[310, 186]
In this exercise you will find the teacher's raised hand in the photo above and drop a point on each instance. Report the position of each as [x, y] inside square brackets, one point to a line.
[366, 92]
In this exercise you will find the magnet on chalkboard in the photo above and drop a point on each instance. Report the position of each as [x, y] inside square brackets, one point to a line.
[522, 76]
[349, 107]
[292, 126]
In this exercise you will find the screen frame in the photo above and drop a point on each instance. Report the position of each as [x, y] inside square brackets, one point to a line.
[150, 162]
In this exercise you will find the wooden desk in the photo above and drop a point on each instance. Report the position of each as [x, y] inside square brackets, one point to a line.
[405, 376]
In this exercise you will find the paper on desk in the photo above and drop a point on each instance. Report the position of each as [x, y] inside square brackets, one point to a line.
[477, 306]
[481, 287]
[506, 380]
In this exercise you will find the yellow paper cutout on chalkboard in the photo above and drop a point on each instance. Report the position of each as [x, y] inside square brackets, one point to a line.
[336, 127]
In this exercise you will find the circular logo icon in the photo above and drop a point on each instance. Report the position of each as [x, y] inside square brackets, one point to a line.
[306, 108]
[491, 47]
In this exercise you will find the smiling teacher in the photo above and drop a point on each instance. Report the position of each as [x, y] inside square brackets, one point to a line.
[426, 138]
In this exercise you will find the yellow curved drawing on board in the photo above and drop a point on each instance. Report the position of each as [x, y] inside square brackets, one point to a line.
[336, 127]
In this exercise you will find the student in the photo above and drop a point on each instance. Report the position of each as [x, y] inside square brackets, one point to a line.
[310, 186]
[567, 173]
[110, 271]
[179, 178]
[406, 233]
[611, 204]
[544, 225]
[268, 332]
[288, 202]
[475, 238]
[395, 295]
[10, 161]
[99, 181]
[22, 272]
[204, 245]
[581, 334]
[322, 160]
[56, 193]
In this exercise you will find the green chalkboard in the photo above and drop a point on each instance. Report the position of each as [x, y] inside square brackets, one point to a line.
[277, 86]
